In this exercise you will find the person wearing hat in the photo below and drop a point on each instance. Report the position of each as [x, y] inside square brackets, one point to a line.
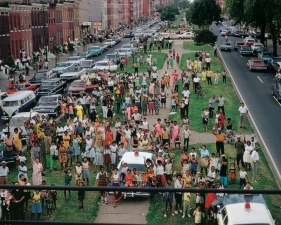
[255, 162]
[240, 149]
[220, 137]
[4, 170]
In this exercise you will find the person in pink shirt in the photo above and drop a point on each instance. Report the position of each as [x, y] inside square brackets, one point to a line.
[158, 128]
[176, 131]
[128, 112]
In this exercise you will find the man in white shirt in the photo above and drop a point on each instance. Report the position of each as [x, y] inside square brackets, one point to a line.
[59, 131]
[255, 161]
[221, 101]
[154, 76]
[68, 129]
[186, 93]
[137, 117]
[187, 134]
[243, 110]
[196, 81]
[128, 133]
[208, 63]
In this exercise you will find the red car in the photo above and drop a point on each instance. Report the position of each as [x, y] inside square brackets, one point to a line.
[256, 64]
[20, 86]
[79, 86]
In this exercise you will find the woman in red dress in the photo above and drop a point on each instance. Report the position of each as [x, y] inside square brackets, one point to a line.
[108, 137]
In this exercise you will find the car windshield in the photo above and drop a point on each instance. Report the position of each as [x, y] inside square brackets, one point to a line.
[267, 54]
[86, 62]
[78, 84]
[41, 75]
[94, 47]
[82, 54]
[257, 61]
[10, 104]
[108, 40]
[48, 83]
[61, 64]
[102, 64]
[226, 43]
[21, 87]
[110, 56]
[139, 167]
[245, 48]
[73, 58]
[48, 100]
[249, 40]
[17, 121]
[72, 70]
[126, 46]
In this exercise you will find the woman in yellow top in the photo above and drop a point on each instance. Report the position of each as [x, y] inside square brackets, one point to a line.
[195, 65]
[40, 134]
[36, 205]
[79, 110]
[17, 139]
[66, 139]
[87, 79]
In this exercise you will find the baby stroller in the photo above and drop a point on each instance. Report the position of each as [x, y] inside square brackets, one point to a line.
[229, 137]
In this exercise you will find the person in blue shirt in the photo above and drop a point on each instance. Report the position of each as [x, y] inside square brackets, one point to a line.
[204, 155]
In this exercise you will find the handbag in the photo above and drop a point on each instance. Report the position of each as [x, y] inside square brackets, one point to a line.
[55, 157]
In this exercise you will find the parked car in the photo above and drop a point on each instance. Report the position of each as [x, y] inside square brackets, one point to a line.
[110, 42]
[87, 64]
[123, 52]
[95, 50]
[256, 46]
[20, 86]
[104, 46]
[85, 55]
[129, 47]
[222, 28]
[72, 73]
[49, 105]
[104, 65]
[225, 46]
[262, 49]
[256, 64]
[79, 86]
[113, 57]
[237, 33]
[265, 56]
[61, 67]
[245, 50]
[240, 209]
[237, 44]
[274, 64]
[3, 95]
[76, 60]
[51, 87]
[116, 38]
[42, 75]
[186, 35]
[129, 34]
[21, 101]
[249, 41]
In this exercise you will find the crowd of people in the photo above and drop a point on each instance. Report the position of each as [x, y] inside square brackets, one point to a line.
[84, 138]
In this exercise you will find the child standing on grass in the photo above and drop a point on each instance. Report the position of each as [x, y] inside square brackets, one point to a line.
[70, 151]
[36, 205]
[194, 164]
[168, 198]
[78, 173]
[218, 163]
[67, 182]
[81, 195]
[54, 197]
[186, 204]
[49, 203]
[198, 216]
[243, 176]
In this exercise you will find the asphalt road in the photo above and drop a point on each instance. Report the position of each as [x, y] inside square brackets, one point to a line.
[63, 58]
[255, 89]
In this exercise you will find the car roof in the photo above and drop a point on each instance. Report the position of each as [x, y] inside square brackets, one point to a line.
[15, 96]
[26, 114]
[257, 214]
[131, 158]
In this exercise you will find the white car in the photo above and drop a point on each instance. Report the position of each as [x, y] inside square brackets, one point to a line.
[110, 42]
[123, 52]
[244, 210]
[72, 73]
[129, 47]
[186, 35]
[105, 65]
[3, 95]
[256, 46]
[76, 60]
[61, 67]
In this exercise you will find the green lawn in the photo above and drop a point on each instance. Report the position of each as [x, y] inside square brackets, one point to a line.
[189, 45]
[266, 181]
[161, 57]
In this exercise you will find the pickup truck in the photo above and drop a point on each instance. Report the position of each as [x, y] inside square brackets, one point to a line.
[274, 64]
[256, 46]
[95, 50]
[276, 90]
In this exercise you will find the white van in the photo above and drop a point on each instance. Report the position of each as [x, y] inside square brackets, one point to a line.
[21, 101]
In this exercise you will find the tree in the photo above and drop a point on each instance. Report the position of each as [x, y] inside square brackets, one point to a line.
[10, 62]
[169, 12]
[184, 4]
[203, 13]
[205, 37]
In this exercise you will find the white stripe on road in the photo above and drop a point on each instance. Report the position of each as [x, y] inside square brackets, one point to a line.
[277, 100]
[259, 79]
[276, 171]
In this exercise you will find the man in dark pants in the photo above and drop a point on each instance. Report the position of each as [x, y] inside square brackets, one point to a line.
[212, 102]
[17, 204]
[221, 101]
[220, 137]
[149, 68]
[240, 149]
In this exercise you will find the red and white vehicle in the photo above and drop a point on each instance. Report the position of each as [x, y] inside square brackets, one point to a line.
[256, 64]
[20, 86]
[249, 41]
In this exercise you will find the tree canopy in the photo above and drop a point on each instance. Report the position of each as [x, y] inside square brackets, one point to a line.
[205, 37]
[168, 12]
[203, 13]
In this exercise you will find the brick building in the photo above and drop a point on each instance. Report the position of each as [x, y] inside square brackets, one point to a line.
[67, 21]
[5, 48]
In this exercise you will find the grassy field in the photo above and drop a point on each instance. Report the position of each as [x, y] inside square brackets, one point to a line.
[191, 46]
[161, 57]
[265, 181]
[66, 210]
